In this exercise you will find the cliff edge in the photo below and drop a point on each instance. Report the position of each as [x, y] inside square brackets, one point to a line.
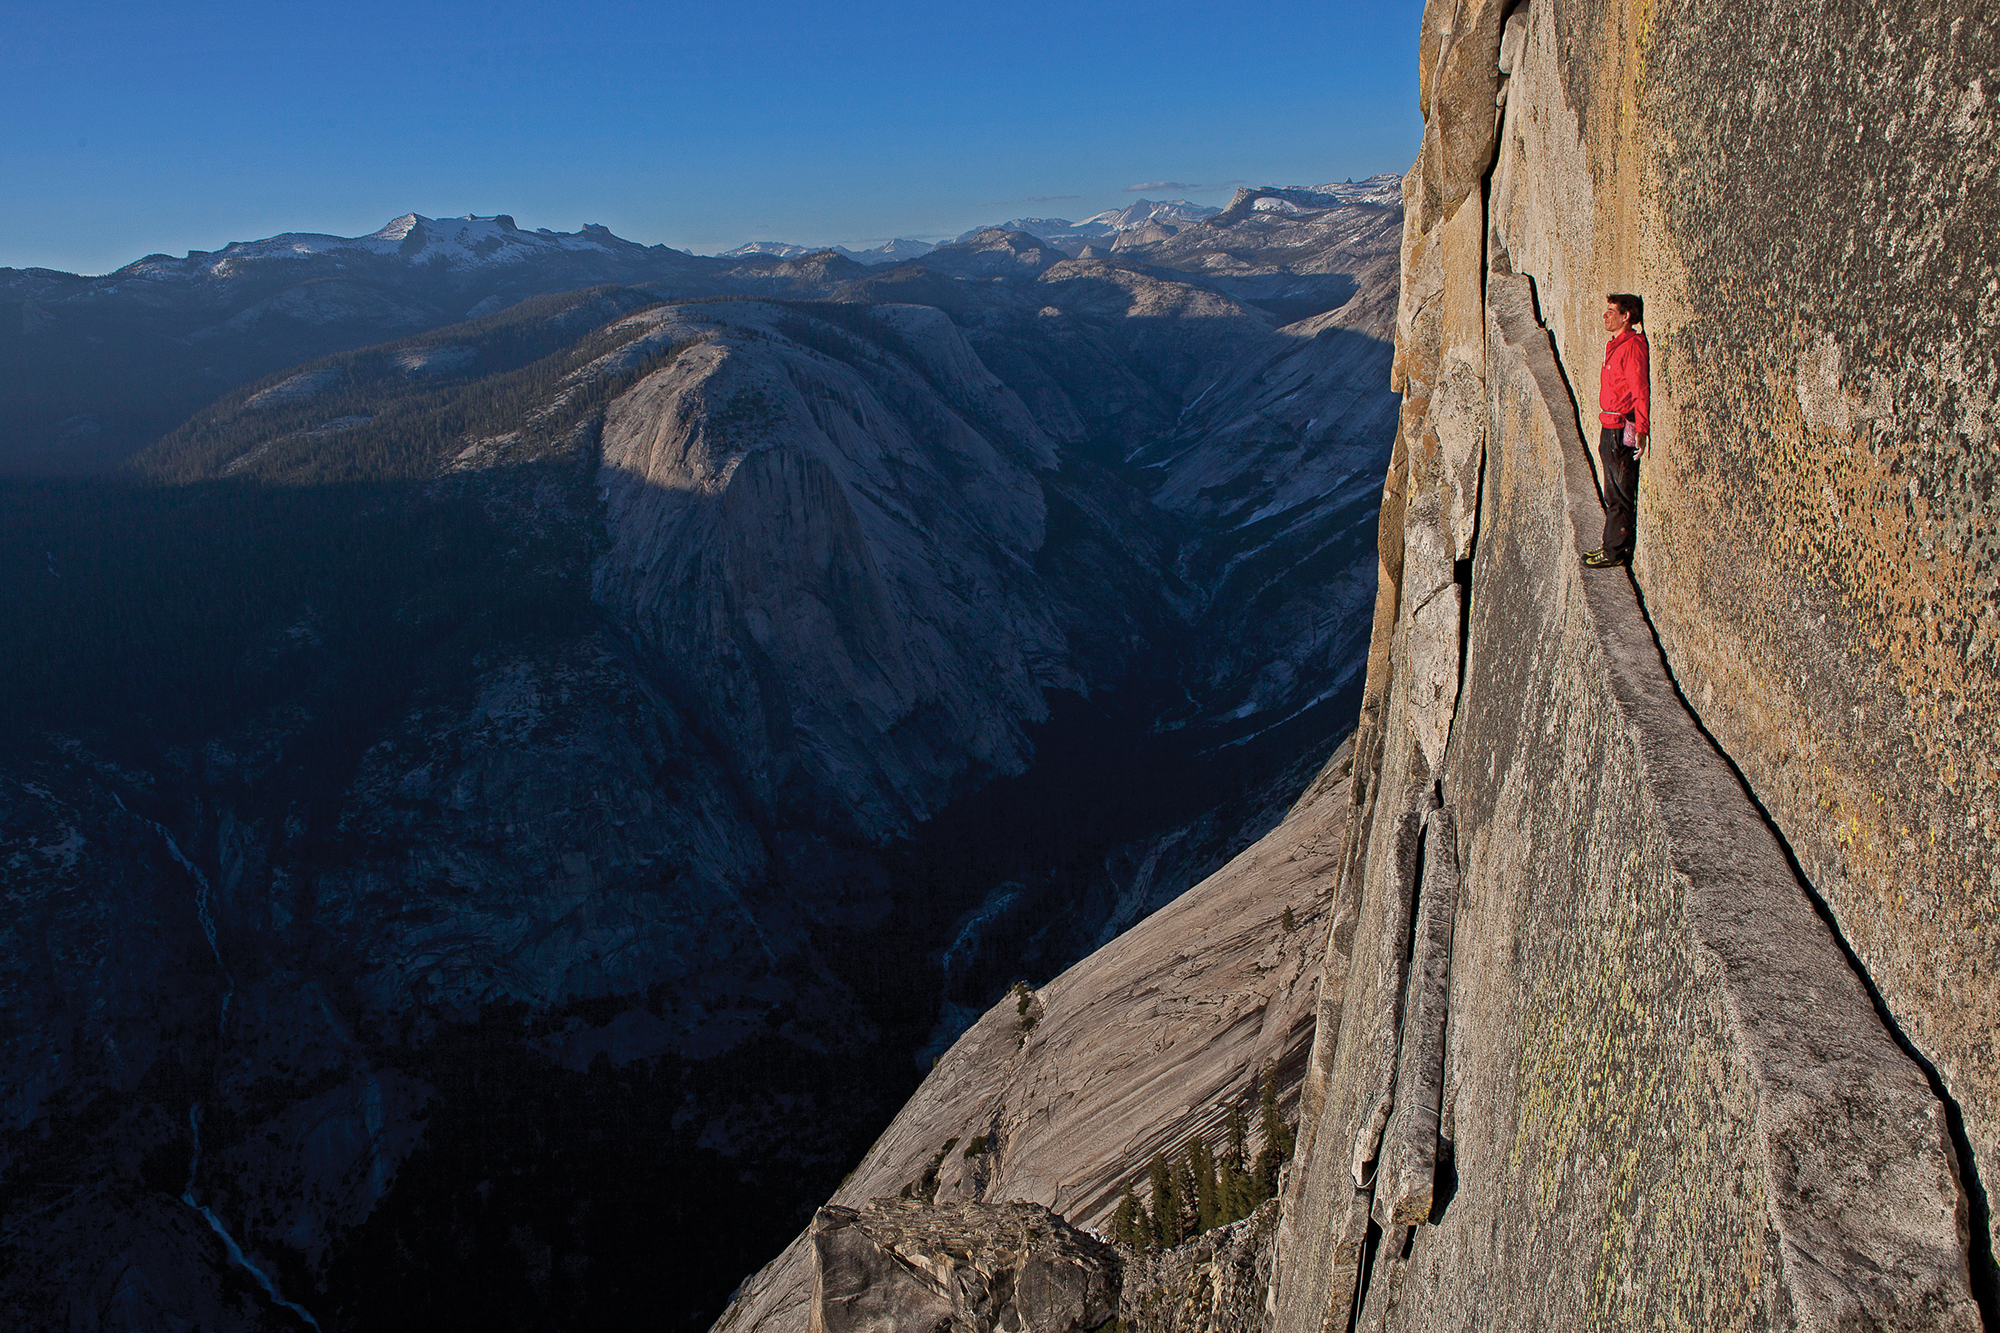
[1659, 984]
[1059, 1096]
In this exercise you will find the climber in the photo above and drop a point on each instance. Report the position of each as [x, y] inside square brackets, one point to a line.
[1624, 402]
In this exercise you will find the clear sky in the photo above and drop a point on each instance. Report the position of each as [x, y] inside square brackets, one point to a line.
[128, 129]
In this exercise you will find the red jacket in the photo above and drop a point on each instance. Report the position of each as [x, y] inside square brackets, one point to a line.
[1626, 387]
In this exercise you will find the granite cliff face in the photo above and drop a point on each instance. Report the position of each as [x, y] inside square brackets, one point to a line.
[1658, 987]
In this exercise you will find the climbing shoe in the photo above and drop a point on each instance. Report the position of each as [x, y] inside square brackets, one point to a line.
[1603, 559]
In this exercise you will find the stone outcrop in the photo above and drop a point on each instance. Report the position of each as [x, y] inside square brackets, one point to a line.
[1219, 1282]
[903, 1266]
[1658, 985]
[907, 1266]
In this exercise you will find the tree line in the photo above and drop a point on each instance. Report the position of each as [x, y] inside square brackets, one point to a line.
[1199, 1189]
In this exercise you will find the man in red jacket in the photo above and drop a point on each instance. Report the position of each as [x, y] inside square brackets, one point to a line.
[1624, 403]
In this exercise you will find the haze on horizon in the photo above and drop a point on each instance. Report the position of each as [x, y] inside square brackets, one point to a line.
[135, 130]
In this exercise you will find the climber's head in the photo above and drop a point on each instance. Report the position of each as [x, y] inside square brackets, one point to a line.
[1623, 311]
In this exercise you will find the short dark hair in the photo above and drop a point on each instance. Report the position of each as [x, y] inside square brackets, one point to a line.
[1635, 306]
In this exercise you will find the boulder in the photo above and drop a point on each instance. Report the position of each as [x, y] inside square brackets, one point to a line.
[902, 1266]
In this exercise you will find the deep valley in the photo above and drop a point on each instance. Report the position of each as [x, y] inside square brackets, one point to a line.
[496, 821]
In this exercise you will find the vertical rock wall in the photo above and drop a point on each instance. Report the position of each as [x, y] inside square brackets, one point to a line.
[1659, 988]
[1808, 198]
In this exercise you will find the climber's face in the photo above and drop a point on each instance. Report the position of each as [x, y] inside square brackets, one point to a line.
[1615, 320]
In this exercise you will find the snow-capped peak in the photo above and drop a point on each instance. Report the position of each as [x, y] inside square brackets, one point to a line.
[776, 249]
[888, 253]
[460, 242]
[1382, 188]
[1175, 212]
[476, 240]
[395, 229]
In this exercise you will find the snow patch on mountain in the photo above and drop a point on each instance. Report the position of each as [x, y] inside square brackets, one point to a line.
[1072, 237]
[775, 249]
[1164, 216]
[1299, 201]
[1384, 187]
[467, 242]
[891, 252]
[1172, 212]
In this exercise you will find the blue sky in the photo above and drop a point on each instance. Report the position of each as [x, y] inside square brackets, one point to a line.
[131, 129]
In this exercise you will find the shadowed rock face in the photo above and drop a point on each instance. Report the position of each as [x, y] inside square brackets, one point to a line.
[526, 789]
[831, 556]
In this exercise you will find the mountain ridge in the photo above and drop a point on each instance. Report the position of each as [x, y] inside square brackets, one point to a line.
[681, 712]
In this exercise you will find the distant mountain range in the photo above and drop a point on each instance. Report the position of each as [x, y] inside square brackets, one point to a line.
[892, 252]
[1069, 237]
[1166, 216]
[491, 241]
[95, 368]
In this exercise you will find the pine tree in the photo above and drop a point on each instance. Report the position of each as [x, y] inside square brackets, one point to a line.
[1166, 1209]
[1228, 1195]
[1277, 1136]
[1233, 1179]
[1125, 1222]
[1207, 1208]
[1178, 1225]
[1268, 1124]
[1263, 1176]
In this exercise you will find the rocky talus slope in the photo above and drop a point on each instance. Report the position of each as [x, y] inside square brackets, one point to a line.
[1659, 988]
[967, 1268]
[1019, 1268]
[1219, 1282]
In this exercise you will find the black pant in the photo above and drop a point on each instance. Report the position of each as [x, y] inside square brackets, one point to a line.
[1621, 489]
